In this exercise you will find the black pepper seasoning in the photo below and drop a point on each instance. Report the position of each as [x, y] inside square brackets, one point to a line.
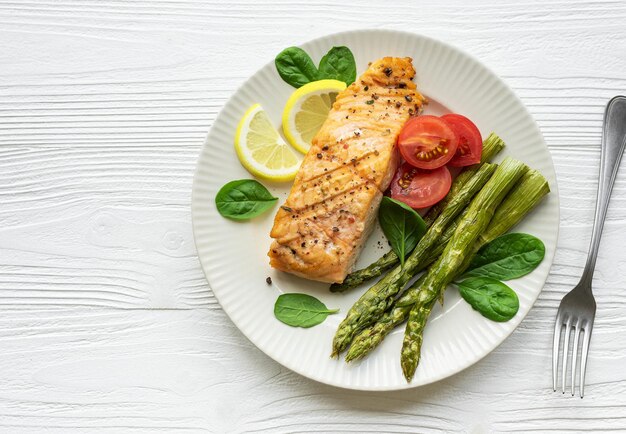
[408, 98]
[319, 156]
[387, 71]
[268, 280]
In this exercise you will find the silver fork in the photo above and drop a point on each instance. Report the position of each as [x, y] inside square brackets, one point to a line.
[578, 308]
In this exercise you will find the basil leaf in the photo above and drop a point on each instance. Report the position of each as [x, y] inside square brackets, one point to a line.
[492, 298]
[508, 257]
[296, 67]
[402, 226]
[301, 310]
[243, 199]
[339, 64]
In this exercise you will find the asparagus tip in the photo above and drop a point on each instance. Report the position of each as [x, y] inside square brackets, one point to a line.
[355, 353]
[408, 370]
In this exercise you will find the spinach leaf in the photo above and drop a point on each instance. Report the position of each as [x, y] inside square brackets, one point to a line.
[508, 257]
[339, 64]
[296, 67]
[243, 199]
[402, 226]
[492, 298]
[301, 310]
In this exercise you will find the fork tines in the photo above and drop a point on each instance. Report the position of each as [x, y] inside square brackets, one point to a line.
[567, 319]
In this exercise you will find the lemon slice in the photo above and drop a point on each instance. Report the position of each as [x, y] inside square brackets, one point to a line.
[261, 150]
[307, 109]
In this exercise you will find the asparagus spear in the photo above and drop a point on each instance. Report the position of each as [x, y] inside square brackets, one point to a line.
[527, 194]
[387, 257]
[492, 145]
[373, 270]
[379, 297]
[479, 214]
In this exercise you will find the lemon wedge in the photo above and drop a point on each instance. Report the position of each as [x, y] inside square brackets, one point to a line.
[261, 150]
[307, 109]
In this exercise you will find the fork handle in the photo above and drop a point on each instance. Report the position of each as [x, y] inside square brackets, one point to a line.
[613, 144]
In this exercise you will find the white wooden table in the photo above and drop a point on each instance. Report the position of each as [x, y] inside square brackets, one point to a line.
[107, 323]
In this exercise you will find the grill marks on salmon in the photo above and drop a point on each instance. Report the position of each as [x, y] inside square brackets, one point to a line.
[334, 200]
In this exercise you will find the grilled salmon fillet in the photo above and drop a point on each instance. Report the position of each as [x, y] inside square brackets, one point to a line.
[331, 209]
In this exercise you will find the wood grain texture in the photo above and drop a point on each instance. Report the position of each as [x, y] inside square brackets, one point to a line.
[107, 323]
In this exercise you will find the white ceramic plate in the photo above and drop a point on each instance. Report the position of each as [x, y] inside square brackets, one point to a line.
[234, 255]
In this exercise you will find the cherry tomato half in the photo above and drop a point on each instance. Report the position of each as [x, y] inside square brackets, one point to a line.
[470, 142]
[427, 142]
[420, 188]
